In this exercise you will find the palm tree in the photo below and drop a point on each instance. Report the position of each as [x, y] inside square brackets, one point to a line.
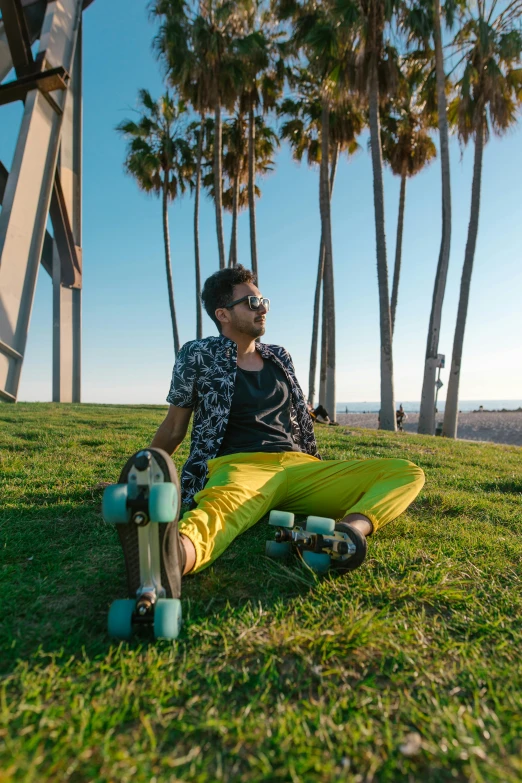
[318, 37]
[158, 157]
[331, 31]
[423, 20]
[200, 133]
[303, 130]
[264, 74]
[236, 157]
[188, 73]
[199, 51]
[324, 317]
[378, 74]
[234, 167]
[407, 148]
[489, 93]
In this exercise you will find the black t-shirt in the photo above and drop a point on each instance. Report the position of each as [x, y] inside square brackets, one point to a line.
[260, 414]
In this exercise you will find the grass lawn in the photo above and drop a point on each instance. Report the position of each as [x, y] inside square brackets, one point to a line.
[409, 669]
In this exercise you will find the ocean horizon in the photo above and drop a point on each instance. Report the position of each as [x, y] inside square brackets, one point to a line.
[466, 406]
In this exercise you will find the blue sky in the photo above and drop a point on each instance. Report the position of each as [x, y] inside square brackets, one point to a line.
[127, 343]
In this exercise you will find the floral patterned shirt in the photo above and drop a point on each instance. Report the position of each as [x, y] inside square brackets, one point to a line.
[204, 378]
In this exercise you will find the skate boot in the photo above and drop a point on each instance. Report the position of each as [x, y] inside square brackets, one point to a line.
[322, 543]
[144, 506]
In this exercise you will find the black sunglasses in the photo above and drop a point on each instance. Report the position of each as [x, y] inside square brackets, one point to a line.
[254, 302]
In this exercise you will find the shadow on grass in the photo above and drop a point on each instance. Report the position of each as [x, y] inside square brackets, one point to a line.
[506, 487]
[439, 503]
[68, 568]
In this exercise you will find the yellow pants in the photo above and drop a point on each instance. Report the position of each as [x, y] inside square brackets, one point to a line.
[241, 488]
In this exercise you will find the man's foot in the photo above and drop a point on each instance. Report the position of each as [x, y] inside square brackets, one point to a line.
[363, 524]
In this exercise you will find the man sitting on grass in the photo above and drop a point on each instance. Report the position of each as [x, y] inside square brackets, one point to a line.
[253, 447]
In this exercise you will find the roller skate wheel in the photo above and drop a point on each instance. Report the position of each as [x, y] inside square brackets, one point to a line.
[277, 550]
[119, 622]
[320, 525]
[167, 618]
[114, 504]
[317, 561]
[163, 502]
[281, 518]
[352, 562]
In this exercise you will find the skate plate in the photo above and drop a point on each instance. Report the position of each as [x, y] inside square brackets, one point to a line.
[320, 542]
[146, 500]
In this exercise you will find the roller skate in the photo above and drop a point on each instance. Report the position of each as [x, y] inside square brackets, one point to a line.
[322, 543]
[144, 506]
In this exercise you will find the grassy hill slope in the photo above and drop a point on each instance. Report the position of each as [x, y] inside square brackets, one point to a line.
[408, 669]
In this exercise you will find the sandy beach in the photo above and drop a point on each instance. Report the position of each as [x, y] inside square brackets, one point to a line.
[497, 427]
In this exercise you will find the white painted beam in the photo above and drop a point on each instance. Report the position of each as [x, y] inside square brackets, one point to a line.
[28, 192]
[67, 301]
[66, 337]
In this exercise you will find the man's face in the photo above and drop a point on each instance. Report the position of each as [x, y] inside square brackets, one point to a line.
[243, 320]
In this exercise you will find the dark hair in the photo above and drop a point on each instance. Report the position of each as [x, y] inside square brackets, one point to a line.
[218, 290]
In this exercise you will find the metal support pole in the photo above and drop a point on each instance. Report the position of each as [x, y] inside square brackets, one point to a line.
[66, 336]
[6, 61]
[67, 299]
[28, 194]
[33, 14]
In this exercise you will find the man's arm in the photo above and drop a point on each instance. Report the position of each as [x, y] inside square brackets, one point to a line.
[172, 430]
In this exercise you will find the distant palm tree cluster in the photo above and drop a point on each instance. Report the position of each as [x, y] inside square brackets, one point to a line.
[242, 75]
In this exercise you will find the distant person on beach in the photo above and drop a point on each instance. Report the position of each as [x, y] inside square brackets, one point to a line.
[321, 414]
[253, 445]
[400, 416]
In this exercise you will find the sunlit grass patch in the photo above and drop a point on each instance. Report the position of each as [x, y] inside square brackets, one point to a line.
[407, 669]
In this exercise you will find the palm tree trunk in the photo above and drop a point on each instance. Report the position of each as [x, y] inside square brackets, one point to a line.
[398, 252]
[328, 285]
[315, 328]
[232, 258]
[427, 406]
[320, 272]
[218, 184]
[387, 418]
[451, 411]
[199, 310]
[251, 187]
[168, 264]
[324, 352]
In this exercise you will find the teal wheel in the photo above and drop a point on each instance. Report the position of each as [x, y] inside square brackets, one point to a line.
[167, 618]
[317, 561]
[278, 550]
[163, 502]
[119, 622]
[320, 525]
[114, 504]
[281, 518]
